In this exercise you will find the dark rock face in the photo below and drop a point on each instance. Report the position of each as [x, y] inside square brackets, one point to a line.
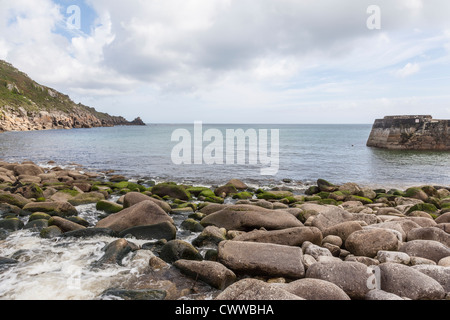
[410, 133]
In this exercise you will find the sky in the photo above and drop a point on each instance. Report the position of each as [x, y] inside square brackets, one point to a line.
[237, 61]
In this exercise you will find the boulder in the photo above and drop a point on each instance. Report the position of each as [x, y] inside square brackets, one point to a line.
[108, 207]
[87, 198]
[28, 169]
[342, 230]
[89, 233]
[326, 186]
[249, 217]
[211, 235]
[238, 184]
[141, 214]
[115, 252]
[289, 237]
[178, 249]
[11, 224]
[368, 242]
[171, 190]
[164, 230]
[315, 250]
[444, 262]
[430, 233]
[132, 198]
[380, 295]
[428, 249]
[393, 256]
[439, 273]
[330, 216]
[316, 289]
[265, 259]
[444, 218]
[64, 224]
[351, 277]
[213, 273]
[13, 199]
[408, 282]
[253, 289]
[61, 209]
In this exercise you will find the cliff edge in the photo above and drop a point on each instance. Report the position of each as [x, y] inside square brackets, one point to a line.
[26, 105]
[410, 133]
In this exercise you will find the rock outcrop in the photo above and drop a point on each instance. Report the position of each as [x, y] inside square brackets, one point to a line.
[26, 106]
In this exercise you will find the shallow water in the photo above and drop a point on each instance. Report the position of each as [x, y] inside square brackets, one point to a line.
[337, 153]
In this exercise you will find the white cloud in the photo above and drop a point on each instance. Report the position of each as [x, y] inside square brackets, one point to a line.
[223, 54]
[408, 70]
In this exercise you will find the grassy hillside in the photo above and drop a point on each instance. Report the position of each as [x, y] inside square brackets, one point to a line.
[17, 90]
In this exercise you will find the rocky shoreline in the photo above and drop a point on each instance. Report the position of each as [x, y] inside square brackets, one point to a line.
[329, 242]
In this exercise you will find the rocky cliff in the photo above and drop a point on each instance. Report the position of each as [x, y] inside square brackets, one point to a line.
[26, 105]
[410, 133]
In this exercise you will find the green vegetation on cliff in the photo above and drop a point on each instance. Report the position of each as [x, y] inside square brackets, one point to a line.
[24, 97]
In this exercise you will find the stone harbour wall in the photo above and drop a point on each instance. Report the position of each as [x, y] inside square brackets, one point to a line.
[420, 132]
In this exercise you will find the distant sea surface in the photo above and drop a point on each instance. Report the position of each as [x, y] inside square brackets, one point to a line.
[337, 153]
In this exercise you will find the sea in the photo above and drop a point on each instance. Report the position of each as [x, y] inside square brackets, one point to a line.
[62, 268]
[302, 153]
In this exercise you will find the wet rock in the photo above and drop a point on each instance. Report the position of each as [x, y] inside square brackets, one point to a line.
[262, 259]
[238, 184]
[316, 289]
[351, 277]
[11, 224]
[115, 252]
[39, 216]
[178, 249]
[90, 233]
[61, 209]
[50, 232]
[211, 235]
[171, 190]
[6, 263]
[37, 224]
[192, 225]
[428, 249]
[108, 207]
[13, 199]
[134, 295]
[407, 282]
[288, 237]
[132, 198]
[253, 289]
[210, 272]
[368, 242]
[164, 230]
[430, 233]
[87, 198]
[142, 213]
[249, 217]
[64, 224]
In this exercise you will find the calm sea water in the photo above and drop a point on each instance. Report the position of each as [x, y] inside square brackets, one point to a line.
[337, 153]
